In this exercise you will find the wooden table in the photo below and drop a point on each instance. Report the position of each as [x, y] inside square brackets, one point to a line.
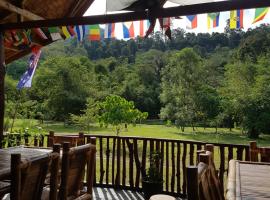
[26, 153]
[248, 180]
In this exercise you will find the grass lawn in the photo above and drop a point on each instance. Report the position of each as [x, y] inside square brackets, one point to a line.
[156, 131]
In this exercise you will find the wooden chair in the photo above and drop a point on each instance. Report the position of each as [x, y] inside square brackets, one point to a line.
[256, 152]
[27, 176]
[74, 140]
[202, 180]
[74, 162]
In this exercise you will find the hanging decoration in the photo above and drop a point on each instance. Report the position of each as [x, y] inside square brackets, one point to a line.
[165, 24]
[94, 32]
[128, 30]
[213, 20]
[260, 14]
[40, 33]
[109, 31]
[26, 79]
[54, 32]
[236, 19]
[192, 21]
[80, 32]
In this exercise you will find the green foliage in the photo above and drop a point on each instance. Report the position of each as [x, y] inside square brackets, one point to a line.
[153, 174]
[88, 117]
[117, 111]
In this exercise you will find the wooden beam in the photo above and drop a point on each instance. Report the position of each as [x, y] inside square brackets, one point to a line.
[29, 15]
[2, 86]
[133, 16]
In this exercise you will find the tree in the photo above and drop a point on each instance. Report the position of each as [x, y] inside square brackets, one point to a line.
[117, 111]
[182, 79]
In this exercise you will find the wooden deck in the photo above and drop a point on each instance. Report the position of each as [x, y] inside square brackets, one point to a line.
[112, 194]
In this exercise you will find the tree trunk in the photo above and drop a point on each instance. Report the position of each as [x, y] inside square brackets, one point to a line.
[2, 86]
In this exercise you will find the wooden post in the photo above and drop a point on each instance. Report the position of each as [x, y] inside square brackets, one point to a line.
[198, 155]
[2, 86]
[265, 154]
[210, 147]
[253, 151]
[81, 139]
[64, 173]
[205, 158]
[54, 173]
[50, 139]
[15, 177]
[192, 183]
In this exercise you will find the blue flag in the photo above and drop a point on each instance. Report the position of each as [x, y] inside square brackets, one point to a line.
[26, 79]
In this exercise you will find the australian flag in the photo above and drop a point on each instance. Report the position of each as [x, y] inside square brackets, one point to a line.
[26, 79]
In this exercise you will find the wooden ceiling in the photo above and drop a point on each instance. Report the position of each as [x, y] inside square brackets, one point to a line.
[16, 11]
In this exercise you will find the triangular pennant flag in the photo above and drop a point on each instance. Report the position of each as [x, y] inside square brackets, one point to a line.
[54, 32]
[260, 14]
[40, 33]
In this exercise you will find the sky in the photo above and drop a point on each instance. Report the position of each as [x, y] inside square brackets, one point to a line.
[99, 7]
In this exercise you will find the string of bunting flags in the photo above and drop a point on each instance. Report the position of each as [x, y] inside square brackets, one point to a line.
[22, 39]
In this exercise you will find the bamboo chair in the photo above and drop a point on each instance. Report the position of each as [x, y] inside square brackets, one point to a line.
[202, 180]
[75, 162]
[27, 176]
[74, 140]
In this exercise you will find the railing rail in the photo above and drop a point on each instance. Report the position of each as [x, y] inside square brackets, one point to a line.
[121, 161]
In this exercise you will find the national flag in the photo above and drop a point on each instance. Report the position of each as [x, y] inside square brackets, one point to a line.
[236, 19]
[26, 79]
[260, 14]
[142, 32]
[54, 32]
[128, 30]
[80, 31]
[192, 21]
[213, 20]
[109, 30]
[94, 32]
[40, 33]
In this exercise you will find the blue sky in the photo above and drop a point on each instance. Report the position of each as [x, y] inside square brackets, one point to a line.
[99, 7]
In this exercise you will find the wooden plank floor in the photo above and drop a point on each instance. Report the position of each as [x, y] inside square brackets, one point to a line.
[112, 194]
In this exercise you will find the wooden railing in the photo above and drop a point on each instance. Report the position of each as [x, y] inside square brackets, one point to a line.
[121, 162]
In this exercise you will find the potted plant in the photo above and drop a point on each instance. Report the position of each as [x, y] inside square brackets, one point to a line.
[152, 182]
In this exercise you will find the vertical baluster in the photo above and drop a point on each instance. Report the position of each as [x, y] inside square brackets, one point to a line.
[113, 156]
[178, 171]
[124, 163]
[137, 163]
[107, 160]
[191, 154]
[173, 168]
[184, 187]
[222, 166]
[143, 169]
[239, 152]
[167, 166]
[101, 160]
[118, 157]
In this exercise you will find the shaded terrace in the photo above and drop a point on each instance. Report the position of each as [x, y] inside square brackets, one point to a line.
[121, 161]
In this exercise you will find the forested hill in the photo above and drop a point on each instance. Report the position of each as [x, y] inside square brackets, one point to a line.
[211, 79]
